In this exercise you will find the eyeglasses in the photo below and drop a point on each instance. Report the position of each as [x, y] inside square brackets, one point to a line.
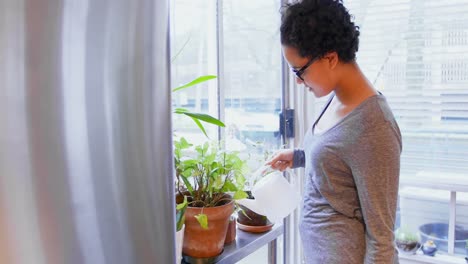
[302, 70]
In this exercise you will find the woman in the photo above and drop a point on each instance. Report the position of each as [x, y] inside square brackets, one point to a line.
[352, 152]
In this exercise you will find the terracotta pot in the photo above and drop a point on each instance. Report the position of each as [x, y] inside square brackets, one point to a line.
[204, 243]
[231, 232]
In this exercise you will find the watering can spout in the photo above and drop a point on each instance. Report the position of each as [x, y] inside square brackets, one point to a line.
[267, 201]
[253, 205]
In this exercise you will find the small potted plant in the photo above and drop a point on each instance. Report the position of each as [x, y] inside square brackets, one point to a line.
[249, 220]
[429, 248]
[407, 242]
[246, 216]
[210, 179]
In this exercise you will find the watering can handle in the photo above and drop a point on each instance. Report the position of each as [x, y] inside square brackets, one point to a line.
[259, 173]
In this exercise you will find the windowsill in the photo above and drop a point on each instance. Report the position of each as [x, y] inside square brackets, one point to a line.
[419, 258]
[438, 180]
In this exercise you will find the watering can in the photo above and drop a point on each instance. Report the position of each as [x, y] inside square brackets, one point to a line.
[274, 196]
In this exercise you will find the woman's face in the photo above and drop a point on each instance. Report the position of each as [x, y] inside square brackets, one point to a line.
[318, 76]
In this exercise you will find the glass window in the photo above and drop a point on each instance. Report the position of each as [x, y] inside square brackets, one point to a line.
[248, 66]
[193, 48]
[252, 76]
[416, 53]
[252, 84]
[427, 211]
[250, 71]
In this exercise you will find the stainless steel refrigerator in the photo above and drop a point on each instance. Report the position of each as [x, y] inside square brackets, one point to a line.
[85, 132]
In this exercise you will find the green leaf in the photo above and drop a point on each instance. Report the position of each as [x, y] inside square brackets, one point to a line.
[182, 144]
[199, 124]
[218, 183]
[180, 110]
[188, 185]
[245, 214]
[205, 147]
[187, 173]
[211, 158]
[205, 118]
[203, 220]
[195, 82]
[198, 116]
[240, 180]
[183, 204]
[180, 219]
[180, 216]
[240, 195]
[229, 187]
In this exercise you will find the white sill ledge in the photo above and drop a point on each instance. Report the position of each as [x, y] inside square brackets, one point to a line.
[455, 182]
[420, 258]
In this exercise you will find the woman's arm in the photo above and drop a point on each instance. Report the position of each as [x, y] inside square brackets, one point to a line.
[375, 164]
[287, 158]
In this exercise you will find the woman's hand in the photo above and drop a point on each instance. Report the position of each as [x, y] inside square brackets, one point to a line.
[282, 159]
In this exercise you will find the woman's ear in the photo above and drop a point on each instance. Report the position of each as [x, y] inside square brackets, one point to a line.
[332, 59]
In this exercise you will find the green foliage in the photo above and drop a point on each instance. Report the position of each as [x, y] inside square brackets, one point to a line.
[205, 173]
[180, 215]
[203, 220]
[183, 167]
[404, 235]
[240, 195]
[195, 82]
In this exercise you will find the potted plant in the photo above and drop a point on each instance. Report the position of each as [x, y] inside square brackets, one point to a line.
[210, 179]
[250, 221]
[429, 248]
[247, 217]
[182, 201]
[197, 118]
[407, 242]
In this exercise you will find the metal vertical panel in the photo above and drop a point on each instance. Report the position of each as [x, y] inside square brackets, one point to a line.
[85, 132]
[287, 142]
[220, 65]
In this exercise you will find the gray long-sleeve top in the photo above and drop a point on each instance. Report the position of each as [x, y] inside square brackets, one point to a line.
[351, 190]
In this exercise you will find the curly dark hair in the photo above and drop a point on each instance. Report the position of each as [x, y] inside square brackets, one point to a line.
[317, 27]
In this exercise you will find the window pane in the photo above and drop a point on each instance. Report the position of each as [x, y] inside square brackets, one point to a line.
[416, 53]
[252, 75]
[252, 84]
[426, 211]
[193, 48]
